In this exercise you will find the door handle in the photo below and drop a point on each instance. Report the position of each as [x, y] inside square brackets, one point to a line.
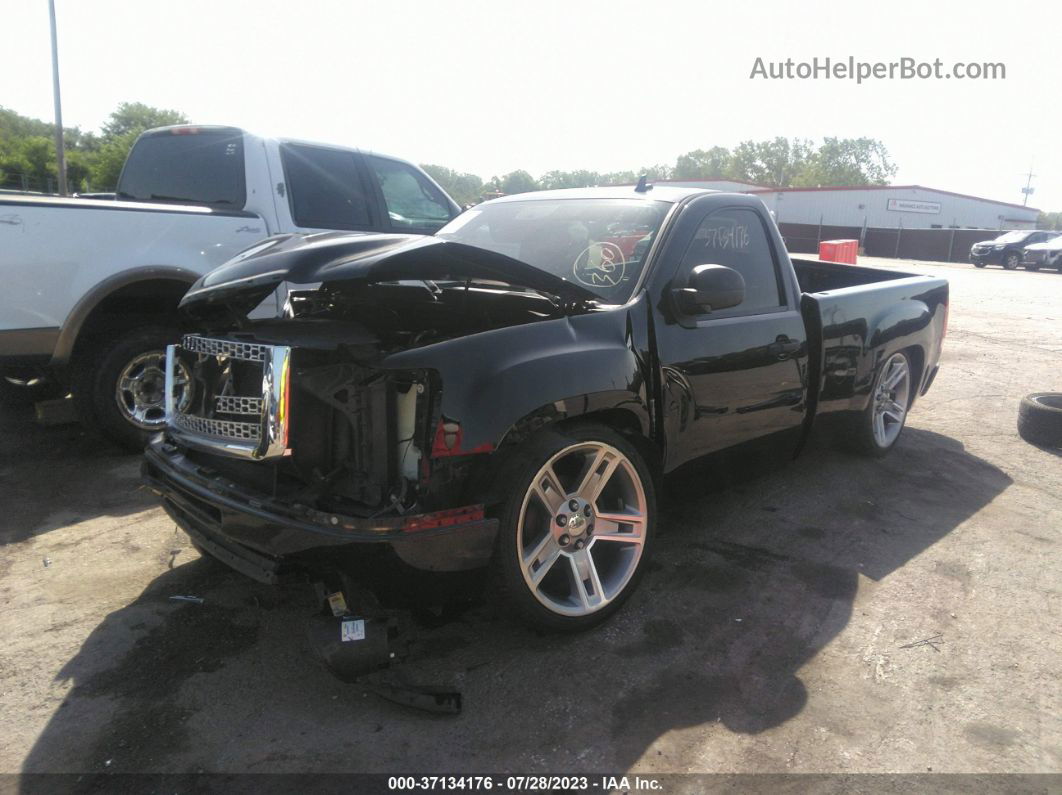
[782, 347]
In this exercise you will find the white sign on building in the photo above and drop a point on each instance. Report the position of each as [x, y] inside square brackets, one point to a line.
[913, 206]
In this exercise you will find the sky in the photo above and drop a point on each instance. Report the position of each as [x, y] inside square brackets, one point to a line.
[489, 87]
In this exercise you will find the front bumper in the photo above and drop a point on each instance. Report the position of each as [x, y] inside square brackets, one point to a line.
[265, 536]
[987, 257]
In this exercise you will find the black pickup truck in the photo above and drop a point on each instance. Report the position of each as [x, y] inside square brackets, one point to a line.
[507, 392]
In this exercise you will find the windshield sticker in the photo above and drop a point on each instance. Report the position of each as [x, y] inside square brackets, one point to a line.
[726, 236]
[600, 265]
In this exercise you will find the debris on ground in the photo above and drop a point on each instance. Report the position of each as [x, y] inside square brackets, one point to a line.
[931, 642]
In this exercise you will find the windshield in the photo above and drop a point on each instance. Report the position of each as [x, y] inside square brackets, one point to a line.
[200, 167]
[1012, 237]
[600, 244]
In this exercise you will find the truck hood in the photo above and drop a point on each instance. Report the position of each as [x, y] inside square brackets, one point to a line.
[366, 258]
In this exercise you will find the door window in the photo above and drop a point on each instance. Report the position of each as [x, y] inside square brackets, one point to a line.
[413, 202]
[326, 190]
[736, 238]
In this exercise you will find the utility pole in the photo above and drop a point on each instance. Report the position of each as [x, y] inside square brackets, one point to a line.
[1028, 190]
[60, 153]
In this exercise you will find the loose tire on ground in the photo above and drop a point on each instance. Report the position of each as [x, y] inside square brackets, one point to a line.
[570, 575]
[96, 385]
[1040, 419]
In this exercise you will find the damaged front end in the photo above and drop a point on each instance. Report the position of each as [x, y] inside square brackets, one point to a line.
[310, 428]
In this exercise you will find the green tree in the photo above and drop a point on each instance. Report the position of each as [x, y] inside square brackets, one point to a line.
[120, 133]
[27, 155]
[1049, 221]
[136, 117]
[37, 162]
[107, 165]
[658, 172]
[27, 148]
[847, 161]
[465, 189]
[518, 181]
[552, 180]
[79, 169]
[618, 178]
[703, 164]
[775, 162]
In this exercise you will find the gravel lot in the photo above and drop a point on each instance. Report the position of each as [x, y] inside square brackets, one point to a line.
[773, 633]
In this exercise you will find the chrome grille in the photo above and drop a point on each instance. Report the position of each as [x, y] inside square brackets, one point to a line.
[236, 404]
[253, 381]
[223, 429]
[246, 351]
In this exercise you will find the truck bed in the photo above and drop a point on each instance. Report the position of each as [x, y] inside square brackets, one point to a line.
[855, 314]
[815, 276]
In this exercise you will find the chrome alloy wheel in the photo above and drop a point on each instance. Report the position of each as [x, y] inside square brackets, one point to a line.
[141, 390]
[582, 528]
[891, 399]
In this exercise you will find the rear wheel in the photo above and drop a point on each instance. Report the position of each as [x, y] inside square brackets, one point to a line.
[879, 426]
[576, 529]
[1011, 261]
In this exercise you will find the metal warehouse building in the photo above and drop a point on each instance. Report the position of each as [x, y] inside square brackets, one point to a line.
[884, 206]
[906, 221]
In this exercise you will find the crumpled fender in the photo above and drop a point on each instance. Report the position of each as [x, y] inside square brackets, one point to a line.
[493, 380]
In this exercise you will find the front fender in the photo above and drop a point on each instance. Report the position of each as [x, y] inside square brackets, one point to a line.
[493, 380]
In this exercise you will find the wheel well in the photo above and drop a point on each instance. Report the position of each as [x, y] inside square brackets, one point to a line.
[918, 363]
[507, 457]
[625, 422]
[151, 301]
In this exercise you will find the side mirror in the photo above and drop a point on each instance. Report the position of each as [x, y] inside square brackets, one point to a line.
[709, 288]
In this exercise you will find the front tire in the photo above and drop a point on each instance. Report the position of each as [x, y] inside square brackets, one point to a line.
[576, 528]
[877, 428]
[120, 389]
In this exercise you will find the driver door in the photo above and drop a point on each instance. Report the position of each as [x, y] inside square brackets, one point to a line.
[738, 374]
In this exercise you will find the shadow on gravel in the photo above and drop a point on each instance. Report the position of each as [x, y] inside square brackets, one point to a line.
[52, 476]
[755, 571]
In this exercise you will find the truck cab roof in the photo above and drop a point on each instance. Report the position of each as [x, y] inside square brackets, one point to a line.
[661, 193]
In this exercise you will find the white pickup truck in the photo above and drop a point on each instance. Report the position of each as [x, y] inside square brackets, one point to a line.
[91, 286]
